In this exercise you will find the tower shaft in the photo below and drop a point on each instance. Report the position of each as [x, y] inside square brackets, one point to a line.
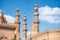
[35, 26]
[25, 29]
[17, 24]
[36, 19]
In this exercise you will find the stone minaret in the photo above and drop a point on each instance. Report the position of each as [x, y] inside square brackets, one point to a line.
[25, 29]
[36, 19]
[35, 26]
[2, 18]
[17, 24]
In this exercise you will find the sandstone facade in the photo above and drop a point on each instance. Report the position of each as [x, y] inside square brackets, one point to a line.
[10, 31]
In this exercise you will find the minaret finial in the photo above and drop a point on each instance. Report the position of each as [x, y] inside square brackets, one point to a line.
[25, 29]
[36, 5]
[17, 10]
[25, 18]
[17, 20]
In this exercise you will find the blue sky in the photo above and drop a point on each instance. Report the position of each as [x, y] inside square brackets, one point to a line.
[27, 7]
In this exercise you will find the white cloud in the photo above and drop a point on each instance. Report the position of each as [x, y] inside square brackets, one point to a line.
[28, 34]
[51, 15]
[10, 19]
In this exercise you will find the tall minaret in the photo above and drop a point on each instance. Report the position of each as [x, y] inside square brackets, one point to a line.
[25, 29]
[36, 19]
[17, 24]
[35, 26]
[1, 16]
[2, 20]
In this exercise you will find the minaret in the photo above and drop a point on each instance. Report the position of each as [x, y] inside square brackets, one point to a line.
[36, 19]
[35, 26]
[17, 19]
[1, 17]
[25, 29]
[17, 24]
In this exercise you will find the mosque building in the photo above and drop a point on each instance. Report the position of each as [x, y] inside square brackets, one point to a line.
[10, 31]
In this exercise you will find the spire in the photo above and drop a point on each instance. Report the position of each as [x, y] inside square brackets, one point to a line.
[17, 19]
[36, 14]
[25, 29]
[17, 12]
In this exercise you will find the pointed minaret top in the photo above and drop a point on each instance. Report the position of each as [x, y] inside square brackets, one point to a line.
[17, 19]
[36, 5]
[17, 10]
[25, 18]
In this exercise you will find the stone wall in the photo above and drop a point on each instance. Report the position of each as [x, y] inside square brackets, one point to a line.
[48, 35]
[6, 34]
[54, 35]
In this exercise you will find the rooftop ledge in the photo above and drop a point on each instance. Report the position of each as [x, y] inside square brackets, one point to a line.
[7, 26]
[47, 31]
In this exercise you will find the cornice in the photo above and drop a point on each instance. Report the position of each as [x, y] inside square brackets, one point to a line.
[49, 31]
[8, 26]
